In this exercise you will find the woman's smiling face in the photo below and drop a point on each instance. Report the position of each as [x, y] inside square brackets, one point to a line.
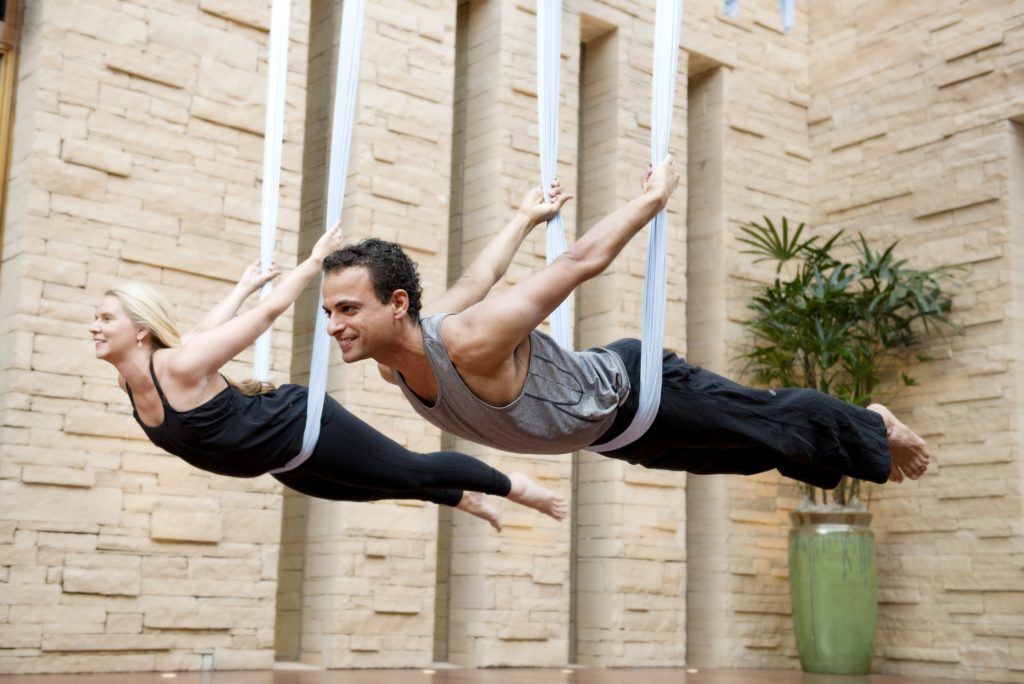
[113, 332]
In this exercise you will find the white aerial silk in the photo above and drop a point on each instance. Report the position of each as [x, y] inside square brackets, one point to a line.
[273, 133]
[667, 24]
[668, 21]
[345, 90]
[786, 7]
[549, 53]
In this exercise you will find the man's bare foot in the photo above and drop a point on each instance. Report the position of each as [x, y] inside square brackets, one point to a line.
[476, 504]
[530, 494]
[909, 451]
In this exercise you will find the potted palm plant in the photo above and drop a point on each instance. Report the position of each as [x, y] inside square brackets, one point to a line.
[844, 327]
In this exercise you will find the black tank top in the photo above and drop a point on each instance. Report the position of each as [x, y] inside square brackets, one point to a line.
[232, 433]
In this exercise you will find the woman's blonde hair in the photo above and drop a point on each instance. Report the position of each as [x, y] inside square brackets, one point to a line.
[151, 310]
[148, 308]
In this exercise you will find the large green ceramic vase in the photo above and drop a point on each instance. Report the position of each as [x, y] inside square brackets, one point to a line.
[832, 582]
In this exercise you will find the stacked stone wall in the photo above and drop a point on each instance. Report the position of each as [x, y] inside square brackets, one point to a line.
[136, 155]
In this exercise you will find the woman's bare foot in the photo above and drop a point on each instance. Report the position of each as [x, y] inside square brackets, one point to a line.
[909, 451]
[476, 504]
[530, 494]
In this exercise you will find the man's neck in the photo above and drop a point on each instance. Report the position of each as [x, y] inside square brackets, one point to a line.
[406, 353]
[408, 358]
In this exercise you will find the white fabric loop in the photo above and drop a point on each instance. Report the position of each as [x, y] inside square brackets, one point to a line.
[668, 22]
[549, 61]
[273, 133]
[345, 90]
[787, 8]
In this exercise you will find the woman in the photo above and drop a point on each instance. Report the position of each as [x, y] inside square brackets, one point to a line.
[187, 407]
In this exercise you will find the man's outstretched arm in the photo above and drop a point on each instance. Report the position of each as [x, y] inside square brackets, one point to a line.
[491, 264]
[486, 334]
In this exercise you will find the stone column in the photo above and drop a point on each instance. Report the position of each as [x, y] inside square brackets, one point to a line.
[136, 152]
[631, 553]
[368, 570]
[508, 593]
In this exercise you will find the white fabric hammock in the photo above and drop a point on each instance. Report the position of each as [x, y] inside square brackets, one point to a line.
[345, 90]
[786, 7]
[668, 22]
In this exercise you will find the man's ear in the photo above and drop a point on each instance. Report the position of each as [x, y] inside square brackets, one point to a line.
[400, 300]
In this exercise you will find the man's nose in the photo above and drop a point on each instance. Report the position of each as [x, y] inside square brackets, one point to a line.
[334, 326]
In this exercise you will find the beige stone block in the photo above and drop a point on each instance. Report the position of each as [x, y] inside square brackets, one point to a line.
[177, 525]
[80, 537]
[124, 623]
[175, 661]
[51, 664]
[67, 179]
[201, 619]
[117, 99]
[929, 655]
[169, 111]
[112, 214]
[987, 581]
[403, 605]
[17, 555]
[525, 631]
[108, 158]
[365, 643]
[59, 504]
[956, 73]
[255, 15]
[52, 614]
[55, 475]
[497, 653]
[244, 118]
[163, 464]
[414, 128]
[101, 424]
[106, 642]
[252, 526]
[21, 636]
[225, 84]
[932, 202]
[104, 23]
[224, 569]
[207, 588]
[105, 581]
[848, 136]
[238, 659]
[156, 63]
[222, 268]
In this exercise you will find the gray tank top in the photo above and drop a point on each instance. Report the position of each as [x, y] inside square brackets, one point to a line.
[569, 399]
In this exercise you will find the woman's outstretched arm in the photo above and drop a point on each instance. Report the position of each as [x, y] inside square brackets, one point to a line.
[206, 352]
[252, 279]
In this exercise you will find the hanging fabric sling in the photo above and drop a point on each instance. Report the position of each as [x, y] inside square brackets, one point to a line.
[273, 134]
[549, 53]
[787, 8]
[345, 88]
[668, 20]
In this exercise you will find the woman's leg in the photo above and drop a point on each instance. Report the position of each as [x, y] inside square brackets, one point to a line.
[350, 452]
[322, 488]
[473, 503]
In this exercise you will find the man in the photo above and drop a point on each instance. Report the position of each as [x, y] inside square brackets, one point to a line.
[478, 368]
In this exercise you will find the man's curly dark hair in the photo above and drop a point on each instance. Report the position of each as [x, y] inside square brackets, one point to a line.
[390, 269]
